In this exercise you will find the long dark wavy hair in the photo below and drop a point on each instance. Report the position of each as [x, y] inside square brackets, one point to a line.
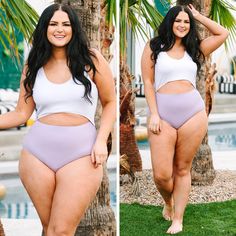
[79, 56]
[166, 38]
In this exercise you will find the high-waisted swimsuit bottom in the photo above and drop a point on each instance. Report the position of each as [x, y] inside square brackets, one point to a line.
[176, 109]
[57, 146]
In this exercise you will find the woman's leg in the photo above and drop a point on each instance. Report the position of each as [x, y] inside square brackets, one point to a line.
[162, 153]
[190, 136]
[39, 182]
[76, 186]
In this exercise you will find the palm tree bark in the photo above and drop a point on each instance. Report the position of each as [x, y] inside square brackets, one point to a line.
[202, 172]
[99, 218]
[1, 229]
[130, 14]
[128, 143]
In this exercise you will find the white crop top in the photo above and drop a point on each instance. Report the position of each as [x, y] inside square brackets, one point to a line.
[67, 97]
[169, 69]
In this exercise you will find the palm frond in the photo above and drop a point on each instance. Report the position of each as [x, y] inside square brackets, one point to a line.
[16, 15]
[220, 12]
[163, 6]
[136, 15]
[110, 11]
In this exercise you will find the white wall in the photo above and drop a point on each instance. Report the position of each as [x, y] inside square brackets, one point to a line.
[39, 6]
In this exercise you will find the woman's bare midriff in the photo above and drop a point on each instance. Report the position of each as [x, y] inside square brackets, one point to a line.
[178, 86]
[64, 119]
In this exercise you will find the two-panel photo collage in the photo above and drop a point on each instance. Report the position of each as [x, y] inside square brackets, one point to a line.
[117, 117]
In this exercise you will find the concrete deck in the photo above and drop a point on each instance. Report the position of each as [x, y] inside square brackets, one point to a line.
[22, 227]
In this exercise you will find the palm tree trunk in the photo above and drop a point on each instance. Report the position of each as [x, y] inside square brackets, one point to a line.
[99, 218]
[128, 143]
[106, 33]
[1, 229]
[203, 172]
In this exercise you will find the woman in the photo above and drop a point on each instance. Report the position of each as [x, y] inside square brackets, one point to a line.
[62, 156]
[177, 121]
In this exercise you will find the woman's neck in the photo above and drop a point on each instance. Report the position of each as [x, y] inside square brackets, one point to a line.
[178, 44]
[58, 55]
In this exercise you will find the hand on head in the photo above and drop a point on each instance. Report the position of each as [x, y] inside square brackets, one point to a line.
[193, 10]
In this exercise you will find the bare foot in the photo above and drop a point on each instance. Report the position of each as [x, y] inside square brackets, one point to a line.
[176, 227]
[168, 211]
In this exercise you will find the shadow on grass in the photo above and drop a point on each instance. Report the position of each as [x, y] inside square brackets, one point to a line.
[209, 219]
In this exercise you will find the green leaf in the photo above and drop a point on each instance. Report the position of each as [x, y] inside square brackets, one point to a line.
[110, 11]
[220, 12]
[137, 16]
[16, 15]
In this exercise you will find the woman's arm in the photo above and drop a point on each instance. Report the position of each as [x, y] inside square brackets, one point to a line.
[147, 68]
[219, 33]
[106, 91]
[22, 112]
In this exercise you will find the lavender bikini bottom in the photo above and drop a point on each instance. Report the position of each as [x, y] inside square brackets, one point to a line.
[176, 109]
[57, 146]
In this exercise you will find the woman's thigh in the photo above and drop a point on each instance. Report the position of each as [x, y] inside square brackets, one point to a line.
[162, 148]
[39, 181]
[76, 186]
[190, 136]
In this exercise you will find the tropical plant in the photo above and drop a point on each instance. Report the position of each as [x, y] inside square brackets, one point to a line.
[1, 229]
[134, 16]
[139, 17]
[221, 12]
[15, 15]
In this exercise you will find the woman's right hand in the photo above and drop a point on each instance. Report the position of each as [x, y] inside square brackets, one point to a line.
[193, 10]
[154, 123]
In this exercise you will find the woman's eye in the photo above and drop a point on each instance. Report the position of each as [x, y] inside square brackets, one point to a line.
[52, 24]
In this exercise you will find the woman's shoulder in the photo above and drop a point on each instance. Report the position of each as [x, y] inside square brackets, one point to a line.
[24, 72]
[147, 48]
[150, 48]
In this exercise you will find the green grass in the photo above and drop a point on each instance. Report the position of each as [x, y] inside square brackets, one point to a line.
[209, 219]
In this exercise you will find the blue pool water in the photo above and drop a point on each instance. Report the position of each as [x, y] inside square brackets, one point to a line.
[17, 204]
[221, 137]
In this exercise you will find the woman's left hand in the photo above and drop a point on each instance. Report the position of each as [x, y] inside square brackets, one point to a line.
[193, 10]
[99, 153]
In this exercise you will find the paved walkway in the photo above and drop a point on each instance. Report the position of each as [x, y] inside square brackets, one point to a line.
[22, 227]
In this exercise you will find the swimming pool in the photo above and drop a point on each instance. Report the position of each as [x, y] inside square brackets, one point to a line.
[17, 204]
[221, 137]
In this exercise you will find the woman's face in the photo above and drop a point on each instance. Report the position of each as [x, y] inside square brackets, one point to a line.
[59, 30]
[181, 25]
